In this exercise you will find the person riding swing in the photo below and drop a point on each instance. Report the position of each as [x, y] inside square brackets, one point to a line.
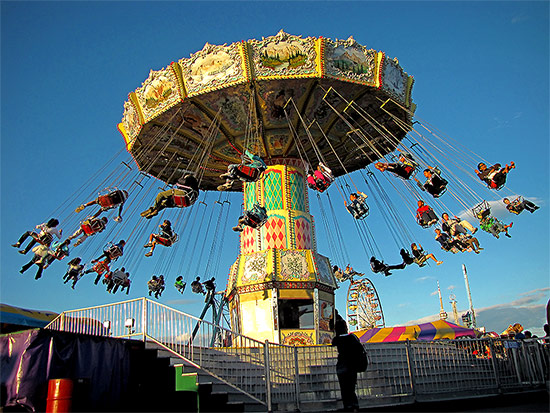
[434, 185]
[196, 286]
[101, 268]
[518, 205]
[378, 266]
[425, 215]
[494, 176]
[249, 170]
[404, 168]
[90, 226]
[111, 200]
[112, 252]
[420, 257]
[183, 194]
[357, 207]
[321, 178]
[166, 237]
[253, 218]
[43, 237]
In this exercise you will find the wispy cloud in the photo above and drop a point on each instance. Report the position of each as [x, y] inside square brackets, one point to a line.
[451, 287]
[519, 18]
[434, 293]
[538, 290]
[425, 278]
[526, 299]
[526, 310]
[401, 305]
[500, 123]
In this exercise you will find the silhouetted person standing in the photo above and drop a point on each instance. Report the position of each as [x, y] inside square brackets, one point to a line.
[348, 346]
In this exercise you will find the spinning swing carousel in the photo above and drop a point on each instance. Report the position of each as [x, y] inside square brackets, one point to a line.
[280, 97]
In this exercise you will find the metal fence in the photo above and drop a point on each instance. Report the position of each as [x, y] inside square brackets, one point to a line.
[237, 360]
[399, 372]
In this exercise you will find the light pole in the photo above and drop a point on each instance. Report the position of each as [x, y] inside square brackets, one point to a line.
[472, 311]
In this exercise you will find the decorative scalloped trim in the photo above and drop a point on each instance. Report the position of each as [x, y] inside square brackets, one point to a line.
[382, 57]
[321, 63]
[176, 68]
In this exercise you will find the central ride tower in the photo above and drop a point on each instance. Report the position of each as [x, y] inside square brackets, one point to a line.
[280, 289]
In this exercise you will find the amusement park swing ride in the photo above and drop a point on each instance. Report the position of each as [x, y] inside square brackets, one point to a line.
[299, 106]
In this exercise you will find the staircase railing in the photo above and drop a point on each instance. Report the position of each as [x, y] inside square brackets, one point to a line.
[237, 360]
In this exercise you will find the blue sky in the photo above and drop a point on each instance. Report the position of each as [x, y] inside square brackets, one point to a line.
[481, 77]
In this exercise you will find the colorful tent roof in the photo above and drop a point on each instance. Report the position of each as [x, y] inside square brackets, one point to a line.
[24, 317]
[427, 331]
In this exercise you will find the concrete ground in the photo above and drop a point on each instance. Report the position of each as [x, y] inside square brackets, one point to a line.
[519, 402]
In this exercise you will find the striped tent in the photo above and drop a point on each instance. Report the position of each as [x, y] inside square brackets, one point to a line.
[10, 315]
[427, 332]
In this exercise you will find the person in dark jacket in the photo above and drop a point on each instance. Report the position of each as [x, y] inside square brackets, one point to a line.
[345, 366]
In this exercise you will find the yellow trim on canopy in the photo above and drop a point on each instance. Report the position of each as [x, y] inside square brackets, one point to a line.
[296, 294]
[378, 69]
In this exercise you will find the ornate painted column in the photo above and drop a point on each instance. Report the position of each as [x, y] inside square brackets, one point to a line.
[280, 289]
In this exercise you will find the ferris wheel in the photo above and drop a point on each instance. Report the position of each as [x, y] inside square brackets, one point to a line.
[363, 310]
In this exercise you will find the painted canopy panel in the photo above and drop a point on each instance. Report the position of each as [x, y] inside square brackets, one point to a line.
[313, 79]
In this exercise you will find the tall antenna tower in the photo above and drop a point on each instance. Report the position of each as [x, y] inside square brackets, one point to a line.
[442, 313]
[472, 311]
[452, 297]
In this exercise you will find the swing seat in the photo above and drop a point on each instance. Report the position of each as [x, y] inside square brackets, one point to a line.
[360, 211]
[183, 198]
[114, 251]
[255, 221]
[517, 202]
[442, 190]
[121, 281]
[421, 262]
[408, 171]
[91, 226]
[60, 255]
[247, 173]
[167, 242]
[495, 186]
[481, 210]
[426, 224]
[105, 202]
[197, 289]
[321, 185]
[100, 268]
[43, 238]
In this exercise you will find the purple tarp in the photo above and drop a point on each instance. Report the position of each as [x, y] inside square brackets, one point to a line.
[30, 358]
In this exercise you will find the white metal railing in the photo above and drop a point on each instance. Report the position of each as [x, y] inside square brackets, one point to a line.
[273, 373]
[237, 360]
[233, 358]
[123, 319]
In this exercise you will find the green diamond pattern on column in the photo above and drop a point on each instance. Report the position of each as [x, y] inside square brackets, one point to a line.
[297, 198]
[273, 191]
[250, 195]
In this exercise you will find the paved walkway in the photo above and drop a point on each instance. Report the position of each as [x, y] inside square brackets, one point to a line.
[520, 402]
